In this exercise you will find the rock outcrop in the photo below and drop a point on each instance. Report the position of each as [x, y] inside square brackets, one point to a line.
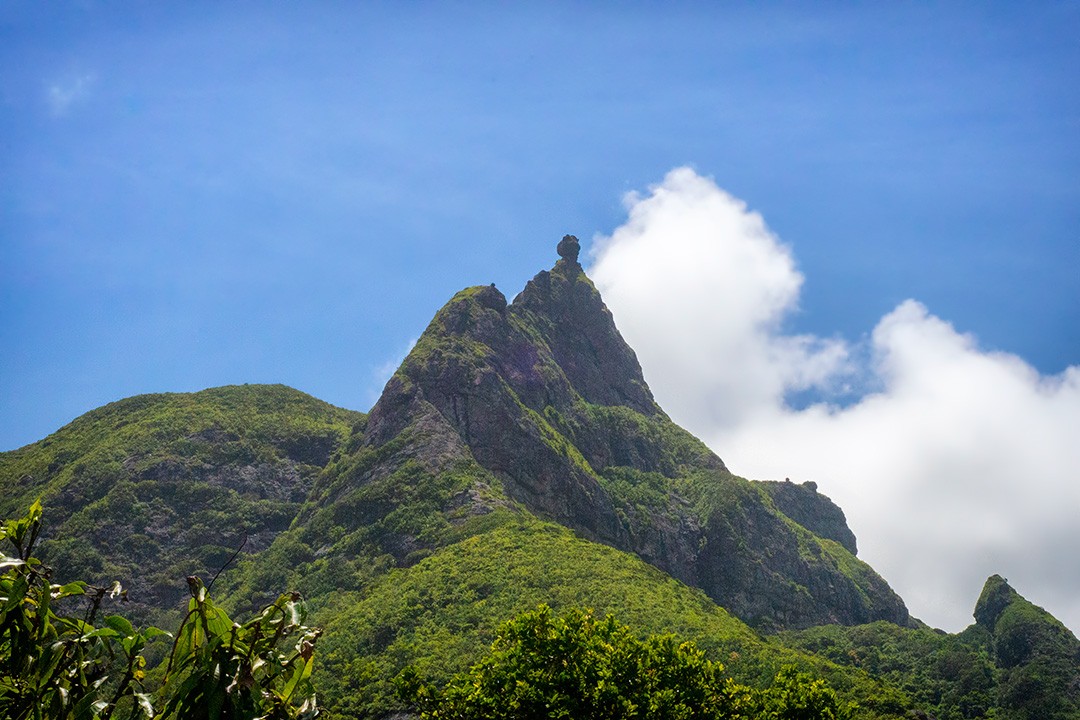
[815, 512]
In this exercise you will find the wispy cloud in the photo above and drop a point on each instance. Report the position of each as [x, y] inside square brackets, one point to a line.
[62, 94]
[957, 464]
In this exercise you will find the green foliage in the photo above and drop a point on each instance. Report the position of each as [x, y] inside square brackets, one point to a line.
[1039, 658]
[261, 669]
[947, 675]
[64, 666]
[57, 665]
[578, 665]
[798, 696]
[441, 614]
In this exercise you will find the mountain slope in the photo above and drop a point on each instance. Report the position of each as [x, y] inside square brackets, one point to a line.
[517, 456]
[1038, 657]
[541, 403]
[157, 487]
[437, 616]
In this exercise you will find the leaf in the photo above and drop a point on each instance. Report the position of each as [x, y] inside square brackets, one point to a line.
[301, 671]
[218, 621]
[102, 632]
[72, 588]
[16, 593]
[120, 624]
[143, 699]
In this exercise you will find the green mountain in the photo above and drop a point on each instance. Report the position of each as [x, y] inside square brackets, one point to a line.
[158, 487]
[516, 457]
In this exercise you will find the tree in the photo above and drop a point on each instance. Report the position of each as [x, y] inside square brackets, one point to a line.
[580, 666]
[61, 665]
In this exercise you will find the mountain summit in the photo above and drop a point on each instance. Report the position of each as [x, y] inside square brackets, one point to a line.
[548, 400]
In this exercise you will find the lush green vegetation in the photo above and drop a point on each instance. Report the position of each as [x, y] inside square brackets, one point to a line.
[1017, 662]
[158, 487]
[949, 676]
[440, 615]
[1038, 657]
[60, 661]
[578, 665]
[515, 460]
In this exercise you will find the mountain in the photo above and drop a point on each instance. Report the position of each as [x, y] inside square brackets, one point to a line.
[542, 404]
[157, 487]
[1038, 656]
[516, 456]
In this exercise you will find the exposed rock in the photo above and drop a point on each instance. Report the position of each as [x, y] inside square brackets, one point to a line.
[815, 512]
[568, 248]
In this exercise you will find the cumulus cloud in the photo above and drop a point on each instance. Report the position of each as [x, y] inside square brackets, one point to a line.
[958, 464]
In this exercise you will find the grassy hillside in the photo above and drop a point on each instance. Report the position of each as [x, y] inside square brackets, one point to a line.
[441, 614]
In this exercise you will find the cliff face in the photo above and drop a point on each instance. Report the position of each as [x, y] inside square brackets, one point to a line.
[815, 512]
[547, 399]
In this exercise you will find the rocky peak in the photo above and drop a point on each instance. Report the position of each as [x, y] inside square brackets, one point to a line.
[550, 401]
[815, 512]
[996, 595]
[568, 248]
[1038, 657]
[565, 309]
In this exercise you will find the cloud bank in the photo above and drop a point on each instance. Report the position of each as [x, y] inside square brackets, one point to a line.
[952, 463]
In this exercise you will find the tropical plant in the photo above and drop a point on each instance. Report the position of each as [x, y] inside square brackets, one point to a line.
[61, 660]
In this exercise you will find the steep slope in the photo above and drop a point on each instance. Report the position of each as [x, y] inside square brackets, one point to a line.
[157, 487]
[437, 616]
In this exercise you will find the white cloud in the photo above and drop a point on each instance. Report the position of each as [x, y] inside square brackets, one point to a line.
[962, 463]
[62, 95]
[700, 286]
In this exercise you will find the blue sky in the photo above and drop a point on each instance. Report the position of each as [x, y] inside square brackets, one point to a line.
[198, 194]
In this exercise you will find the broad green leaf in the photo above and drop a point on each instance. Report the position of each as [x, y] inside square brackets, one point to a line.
[120, 624]
[72, 588]
[102, 632]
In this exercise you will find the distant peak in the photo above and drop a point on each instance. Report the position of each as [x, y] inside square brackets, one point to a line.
[996, 595]
[569, 248]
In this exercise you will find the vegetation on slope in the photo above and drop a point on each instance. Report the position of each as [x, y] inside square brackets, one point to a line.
[63, 660]
[440, 615]
[578, 665]
[158, 487]
[515, 458]
[1016, 662]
